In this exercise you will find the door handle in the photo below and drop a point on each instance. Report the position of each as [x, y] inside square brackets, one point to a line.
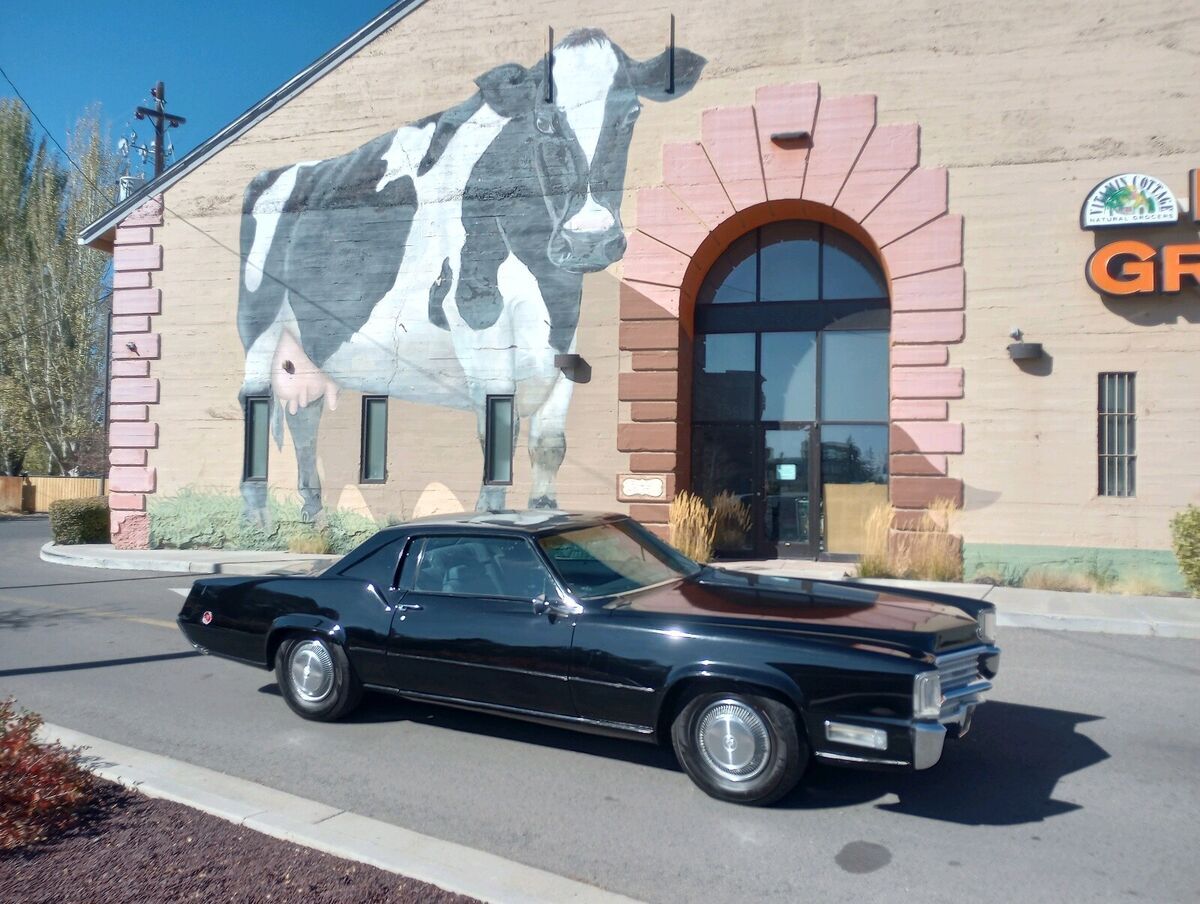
[409, 607]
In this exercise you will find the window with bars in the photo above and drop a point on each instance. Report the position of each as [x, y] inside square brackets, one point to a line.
[1116, 435]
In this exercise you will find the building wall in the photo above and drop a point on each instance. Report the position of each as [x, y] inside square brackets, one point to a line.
[1025, 105]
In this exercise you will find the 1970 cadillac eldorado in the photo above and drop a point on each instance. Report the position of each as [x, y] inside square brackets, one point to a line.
[591, 622]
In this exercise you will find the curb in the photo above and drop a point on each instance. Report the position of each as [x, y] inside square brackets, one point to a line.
[50, 553]
[55, 554]
[1097, 625]
[451, 866]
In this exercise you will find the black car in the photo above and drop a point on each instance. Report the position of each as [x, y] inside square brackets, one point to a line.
[592, 622]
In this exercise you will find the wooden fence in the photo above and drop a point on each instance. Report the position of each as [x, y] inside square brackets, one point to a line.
[34, 494]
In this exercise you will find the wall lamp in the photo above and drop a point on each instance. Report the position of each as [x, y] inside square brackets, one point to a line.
[791, 137]
[1023, 351]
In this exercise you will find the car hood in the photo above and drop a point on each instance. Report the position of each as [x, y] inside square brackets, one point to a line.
[830, 609]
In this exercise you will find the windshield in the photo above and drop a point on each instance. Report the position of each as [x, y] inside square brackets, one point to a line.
[607, 559]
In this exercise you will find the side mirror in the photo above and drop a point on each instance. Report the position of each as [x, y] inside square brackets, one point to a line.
[555, 606]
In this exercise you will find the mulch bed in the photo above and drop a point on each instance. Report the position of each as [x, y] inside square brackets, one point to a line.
[132, 848]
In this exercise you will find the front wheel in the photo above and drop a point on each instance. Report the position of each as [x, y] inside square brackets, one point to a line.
[316, 679]
[740, 747]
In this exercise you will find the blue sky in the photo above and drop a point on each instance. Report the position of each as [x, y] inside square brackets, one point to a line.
[217, 57]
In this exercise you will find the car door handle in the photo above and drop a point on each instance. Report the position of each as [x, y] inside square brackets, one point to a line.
[409, 607]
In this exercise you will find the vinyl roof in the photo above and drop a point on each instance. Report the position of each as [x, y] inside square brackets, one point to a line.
[96, 232]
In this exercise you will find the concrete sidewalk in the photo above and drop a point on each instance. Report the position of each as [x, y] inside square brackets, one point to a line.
[1105, 613]
[451, 866]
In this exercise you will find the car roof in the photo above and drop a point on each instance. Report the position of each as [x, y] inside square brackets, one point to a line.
[533, 522]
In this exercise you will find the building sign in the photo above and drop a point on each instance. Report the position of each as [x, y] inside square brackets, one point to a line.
[1131, 199]
[1135, 268]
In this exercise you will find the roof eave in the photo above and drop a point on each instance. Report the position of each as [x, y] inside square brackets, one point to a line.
[99, 233]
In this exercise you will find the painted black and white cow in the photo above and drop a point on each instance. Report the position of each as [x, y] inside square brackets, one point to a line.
[443, 262]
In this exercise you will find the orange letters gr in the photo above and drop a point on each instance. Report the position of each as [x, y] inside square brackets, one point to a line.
[1136, 275]
[1179, 261]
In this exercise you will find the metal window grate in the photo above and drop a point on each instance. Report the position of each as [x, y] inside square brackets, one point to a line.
[1116, 435]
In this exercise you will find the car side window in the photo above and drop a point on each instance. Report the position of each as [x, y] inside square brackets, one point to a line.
[481, 566]
[379, 567]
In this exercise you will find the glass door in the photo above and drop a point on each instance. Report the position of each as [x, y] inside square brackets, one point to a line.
[788, 503]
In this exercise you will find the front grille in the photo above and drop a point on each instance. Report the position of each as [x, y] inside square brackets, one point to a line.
[957, 670]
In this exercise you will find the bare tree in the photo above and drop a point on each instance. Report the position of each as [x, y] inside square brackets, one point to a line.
[53, 296]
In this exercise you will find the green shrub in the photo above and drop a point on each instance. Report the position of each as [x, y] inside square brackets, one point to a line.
[80, 520]
[195, 520]
[42, 786]
[1185, 538]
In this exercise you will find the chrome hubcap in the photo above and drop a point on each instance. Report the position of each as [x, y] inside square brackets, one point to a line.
[733, 740]
[311, 670]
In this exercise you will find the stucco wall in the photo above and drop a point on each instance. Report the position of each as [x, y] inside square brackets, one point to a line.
[1025, 104]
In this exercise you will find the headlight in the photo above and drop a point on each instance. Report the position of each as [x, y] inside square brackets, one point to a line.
[927, 695]
[987, 626]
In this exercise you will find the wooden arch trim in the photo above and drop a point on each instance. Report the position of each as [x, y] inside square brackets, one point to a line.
[852, 173]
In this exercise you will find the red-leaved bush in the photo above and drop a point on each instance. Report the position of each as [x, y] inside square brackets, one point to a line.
[42, 786]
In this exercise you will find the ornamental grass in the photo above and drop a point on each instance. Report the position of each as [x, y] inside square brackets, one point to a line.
[692, 526]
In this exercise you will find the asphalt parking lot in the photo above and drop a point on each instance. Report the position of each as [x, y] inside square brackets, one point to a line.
[1079, 780]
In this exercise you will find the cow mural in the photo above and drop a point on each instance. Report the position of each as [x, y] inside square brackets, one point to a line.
[443, 262]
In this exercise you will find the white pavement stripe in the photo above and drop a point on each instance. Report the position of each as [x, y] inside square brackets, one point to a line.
[451, 866]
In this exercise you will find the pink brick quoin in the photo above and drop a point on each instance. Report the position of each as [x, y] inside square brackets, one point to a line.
[133, 392]
[851, 169]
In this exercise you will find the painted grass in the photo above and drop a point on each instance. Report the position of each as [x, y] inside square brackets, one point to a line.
[197, 520]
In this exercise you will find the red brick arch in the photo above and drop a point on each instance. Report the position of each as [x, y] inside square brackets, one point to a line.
[851, 173]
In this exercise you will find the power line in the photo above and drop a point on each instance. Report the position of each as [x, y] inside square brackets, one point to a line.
[50, 135]
[333, 315]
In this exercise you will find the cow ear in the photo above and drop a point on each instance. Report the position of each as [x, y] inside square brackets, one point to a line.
[651, 77]
[509, 89]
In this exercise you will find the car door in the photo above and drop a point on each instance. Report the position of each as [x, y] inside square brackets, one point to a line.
[466, 626]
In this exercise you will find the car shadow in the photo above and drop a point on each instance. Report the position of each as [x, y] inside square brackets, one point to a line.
[1003, 772]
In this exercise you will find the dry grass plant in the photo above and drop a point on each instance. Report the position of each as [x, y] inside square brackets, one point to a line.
[731, 521]
[930, 553]
[692, 527]
[312, 544]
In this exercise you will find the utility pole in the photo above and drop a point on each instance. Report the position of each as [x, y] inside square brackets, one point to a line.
[161, 119]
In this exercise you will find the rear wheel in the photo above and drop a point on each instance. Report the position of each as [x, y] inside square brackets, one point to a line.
[316, 679]
[740, 747]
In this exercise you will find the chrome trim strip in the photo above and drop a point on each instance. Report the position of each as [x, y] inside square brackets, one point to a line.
[847, 758]
[515, 710]
[479, 665]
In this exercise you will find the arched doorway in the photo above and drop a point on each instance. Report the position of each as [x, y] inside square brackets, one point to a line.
[789, 409]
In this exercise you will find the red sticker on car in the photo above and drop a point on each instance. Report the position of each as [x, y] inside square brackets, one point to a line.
[206, 618]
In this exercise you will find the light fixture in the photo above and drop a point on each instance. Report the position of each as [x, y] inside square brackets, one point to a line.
[791, 137]
[1022, 351]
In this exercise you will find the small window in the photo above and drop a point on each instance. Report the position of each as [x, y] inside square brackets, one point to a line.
[378, 567]
[258, 422]
[481, 566]
[498, 440]
[1117, 436]
[373, 467]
